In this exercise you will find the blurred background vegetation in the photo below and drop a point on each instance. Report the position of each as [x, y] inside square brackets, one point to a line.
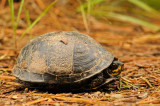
[134, 11]
[143, 13]
[112, 11]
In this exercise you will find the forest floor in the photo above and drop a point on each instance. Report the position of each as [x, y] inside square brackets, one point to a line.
[137, 47]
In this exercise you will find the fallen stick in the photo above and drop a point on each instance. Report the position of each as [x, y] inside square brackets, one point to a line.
[149, 84]
[7, 77]
[145, 101]
[35, 101]
[12, 83]
[81, 100]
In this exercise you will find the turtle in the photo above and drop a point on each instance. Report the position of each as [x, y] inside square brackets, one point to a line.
[66, 60]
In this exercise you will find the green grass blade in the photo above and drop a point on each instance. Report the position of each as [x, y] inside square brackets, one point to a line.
[40, 16]
[89, 7]
[133, 20]
[84, 19]
[12, 12]
[153, 3]
[92, 3]
[142, 5]
[10, 2]
[19, 12]
[28, 20]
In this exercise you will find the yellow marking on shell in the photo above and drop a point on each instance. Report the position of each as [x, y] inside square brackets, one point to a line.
[116, 72]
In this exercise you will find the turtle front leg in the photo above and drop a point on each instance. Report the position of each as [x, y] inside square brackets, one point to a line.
[95, 82]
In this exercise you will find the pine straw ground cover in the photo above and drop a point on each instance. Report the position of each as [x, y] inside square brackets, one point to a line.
[138, 48]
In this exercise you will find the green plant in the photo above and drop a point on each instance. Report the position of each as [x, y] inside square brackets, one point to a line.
[38, 18]
[28, 20]
[30, 25]
[126, 84]
[82, 10]
[122, 10]
[15, 23]
[153, 3]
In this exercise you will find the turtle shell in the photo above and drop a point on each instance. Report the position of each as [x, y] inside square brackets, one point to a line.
[61, 57]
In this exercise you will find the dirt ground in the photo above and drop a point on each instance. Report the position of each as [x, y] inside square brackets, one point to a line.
[136, 46]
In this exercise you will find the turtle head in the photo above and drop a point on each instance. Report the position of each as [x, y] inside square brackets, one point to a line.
[115, 68]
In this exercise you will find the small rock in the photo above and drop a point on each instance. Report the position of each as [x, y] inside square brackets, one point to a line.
[117, 96]
[119, 104]
[56, 104]
[14, 96]
[107, 95]
[50, 100]
[142, 95]
[86, 94]
[96, 94]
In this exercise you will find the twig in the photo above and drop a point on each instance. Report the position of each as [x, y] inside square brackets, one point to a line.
[40, 100]
[79, 100]
[7, 69]
[126, 79]
[66, 99]
[148, 101]
[130, 74]
[7, 77]
[45, 94]
[75, 99]
[36, 101]
[147, 81]
[12, 83]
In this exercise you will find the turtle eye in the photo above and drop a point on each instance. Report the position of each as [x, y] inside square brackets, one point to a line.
[114, 66]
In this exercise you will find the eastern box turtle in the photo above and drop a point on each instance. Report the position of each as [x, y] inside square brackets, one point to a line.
[66, 60]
